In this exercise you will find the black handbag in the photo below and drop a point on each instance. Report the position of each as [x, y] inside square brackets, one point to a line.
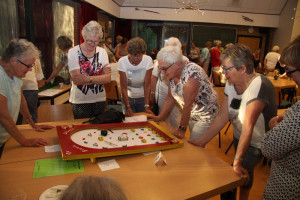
[109, 116]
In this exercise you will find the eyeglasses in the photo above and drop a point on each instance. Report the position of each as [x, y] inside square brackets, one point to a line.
[92, 42]
[226, 69]
[165, 68]
[28, 66]
[289, 72]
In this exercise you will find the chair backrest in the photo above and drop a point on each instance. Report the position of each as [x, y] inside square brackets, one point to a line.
[59, 112]
[112, 90]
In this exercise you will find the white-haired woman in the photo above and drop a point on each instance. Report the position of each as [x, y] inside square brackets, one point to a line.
[190, 88]
[89, 70]
[271, 60]
[18, 58]
[159, 87]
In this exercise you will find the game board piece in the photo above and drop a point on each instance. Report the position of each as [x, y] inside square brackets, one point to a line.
[123, 137]
[104, 132]
[124, 133]
[110, 143]
[148, 135]
[90, 134]
[144, 140]
[100, 138]
[152, 138]
[95, 144]
[85, 142]
[83, 138]
[132, 130]
[71, 125]
[141, 137]
[124, 145]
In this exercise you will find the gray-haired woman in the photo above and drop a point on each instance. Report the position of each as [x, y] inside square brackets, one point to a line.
[18, 58]
[89, 70]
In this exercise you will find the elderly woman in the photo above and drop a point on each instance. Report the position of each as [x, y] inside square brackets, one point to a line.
[249, 103]
[18, 58]
[282, 143]
[89, 69]
[159, 87]
[121, 50]
[190, 88]
[135, 75]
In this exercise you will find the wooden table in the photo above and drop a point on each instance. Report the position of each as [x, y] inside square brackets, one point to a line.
[191, 172]
[59, 98]
[282, 84]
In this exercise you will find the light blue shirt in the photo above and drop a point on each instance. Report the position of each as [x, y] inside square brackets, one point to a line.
[11, 90]
[205, 54]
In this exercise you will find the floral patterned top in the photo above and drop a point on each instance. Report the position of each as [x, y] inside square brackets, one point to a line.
[206, 104]
[90, 67]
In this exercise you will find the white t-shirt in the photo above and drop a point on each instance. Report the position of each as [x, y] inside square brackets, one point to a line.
[135, 75]
[31, 77]
[90, 67]
[259, 89]
[272, 59]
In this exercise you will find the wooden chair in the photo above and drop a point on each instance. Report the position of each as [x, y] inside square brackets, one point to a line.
[59, 112]
[113, 97]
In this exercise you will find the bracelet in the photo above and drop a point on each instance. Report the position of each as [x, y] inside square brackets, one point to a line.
[238, 158]
[146, 106]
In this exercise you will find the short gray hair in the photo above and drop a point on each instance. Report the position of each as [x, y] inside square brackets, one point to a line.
[239, 55]
[170, 54]
[173, 41]
[217, 42]
[92, 28]
[275, 48]
[20, 48]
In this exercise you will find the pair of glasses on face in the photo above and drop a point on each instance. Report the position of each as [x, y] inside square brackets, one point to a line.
[226, 69]
[165, 68]
[92, 42]
[289, 72]
[28, 66]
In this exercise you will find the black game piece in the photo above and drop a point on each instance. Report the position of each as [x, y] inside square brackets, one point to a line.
[104, 132]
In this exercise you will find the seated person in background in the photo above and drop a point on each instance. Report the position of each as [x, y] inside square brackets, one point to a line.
[89, 69]
[190, 88]
[18, 58]
[194, 55]
[121, 50]
[93, 188]
[271, 60]
[32, 81]
[159, 87]
[135, 71]
[281, 143]
[118, 42]
[64, 43]
[249, 103]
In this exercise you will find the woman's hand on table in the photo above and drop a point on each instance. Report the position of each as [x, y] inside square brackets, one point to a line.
[274, 121]
[129, 113]
[154, 118]
[240, 171]
[34, 142]
[42, 127]
[179, 133]
[148, 110]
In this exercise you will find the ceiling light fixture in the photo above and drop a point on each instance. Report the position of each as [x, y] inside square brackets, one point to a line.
[189, 5]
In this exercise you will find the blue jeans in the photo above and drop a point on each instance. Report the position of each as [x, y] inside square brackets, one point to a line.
[136, 104]
[198, 128]
[31, 97]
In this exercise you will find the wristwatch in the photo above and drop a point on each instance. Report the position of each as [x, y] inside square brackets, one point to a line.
[182, 128]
